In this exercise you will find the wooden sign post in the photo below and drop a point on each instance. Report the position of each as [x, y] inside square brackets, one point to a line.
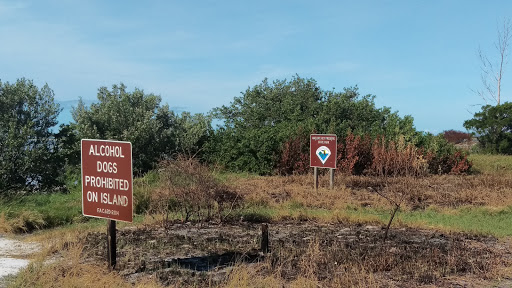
[331, 178]
[315, 176]
[323, 154]
[107, 180]
[111, 244]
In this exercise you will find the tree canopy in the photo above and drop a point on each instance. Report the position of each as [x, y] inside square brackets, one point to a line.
[130, 116]
[257, 123]
[29, 157]
[493, 127]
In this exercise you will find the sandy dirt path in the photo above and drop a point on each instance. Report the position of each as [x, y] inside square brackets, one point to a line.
[14, 256]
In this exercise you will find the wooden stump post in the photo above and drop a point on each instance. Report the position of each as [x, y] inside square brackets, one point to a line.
[264, 238]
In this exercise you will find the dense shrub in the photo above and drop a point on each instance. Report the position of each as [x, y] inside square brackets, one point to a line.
[456, 137]
[354, 154]
[493, 127]
[362, 155]
[449, 163]
[443, 157]
[294, 157]
[258, 127]
[397, 159]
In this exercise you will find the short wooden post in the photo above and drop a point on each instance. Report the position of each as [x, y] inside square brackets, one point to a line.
[111, 244]
[331, 178]
[264, 238]
[315, 175]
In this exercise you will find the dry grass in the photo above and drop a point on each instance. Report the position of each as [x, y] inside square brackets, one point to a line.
[443, 191]
[324, 262]
[258, 275]
[61, 264]
[189, 189]
[26, 221]
[415, 262]
[71, 271]
[58, 240]
[5, 226]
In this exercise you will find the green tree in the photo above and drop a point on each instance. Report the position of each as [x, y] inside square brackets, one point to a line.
[256, 125]
[192, 133]
[130, 116]
[493, 128]
[349, 111]
[29, 152]
[69, 144]
[258, 122]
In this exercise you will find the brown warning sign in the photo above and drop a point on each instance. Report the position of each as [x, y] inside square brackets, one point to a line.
[107, 179]
[322, 149]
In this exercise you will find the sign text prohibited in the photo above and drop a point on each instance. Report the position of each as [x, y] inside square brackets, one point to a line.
[107, 179]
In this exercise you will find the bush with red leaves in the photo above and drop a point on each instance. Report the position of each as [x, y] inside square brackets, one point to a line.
[294, 158]
[360, 155]
[456, 137]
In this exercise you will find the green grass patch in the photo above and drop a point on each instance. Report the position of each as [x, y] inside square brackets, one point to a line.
[259, 214]
[478, 220]
[491, 164]
[39, 211]
[52, 210]
[42, 211]
[475, 220]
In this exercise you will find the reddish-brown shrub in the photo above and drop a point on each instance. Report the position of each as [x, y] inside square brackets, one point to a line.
[460, 163]
[358, 155]
[347, 154]
[294, 158]
[396, 159]
[456, 163]
[456, 137]
[354, 154]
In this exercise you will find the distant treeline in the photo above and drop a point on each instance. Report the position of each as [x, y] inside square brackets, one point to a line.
[263, 131]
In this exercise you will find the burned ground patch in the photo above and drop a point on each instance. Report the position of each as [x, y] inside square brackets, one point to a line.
[207, 254]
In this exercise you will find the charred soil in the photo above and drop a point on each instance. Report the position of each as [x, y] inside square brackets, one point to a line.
[329, 254]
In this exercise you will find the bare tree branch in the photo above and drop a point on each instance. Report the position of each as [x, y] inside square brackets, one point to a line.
[492, 71]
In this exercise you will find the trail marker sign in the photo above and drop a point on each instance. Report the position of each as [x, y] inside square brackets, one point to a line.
[323, 150]
[107, 179]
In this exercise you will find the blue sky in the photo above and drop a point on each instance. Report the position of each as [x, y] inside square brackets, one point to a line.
[417, 57]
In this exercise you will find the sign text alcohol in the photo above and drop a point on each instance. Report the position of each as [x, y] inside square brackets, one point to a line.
[107, 179]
